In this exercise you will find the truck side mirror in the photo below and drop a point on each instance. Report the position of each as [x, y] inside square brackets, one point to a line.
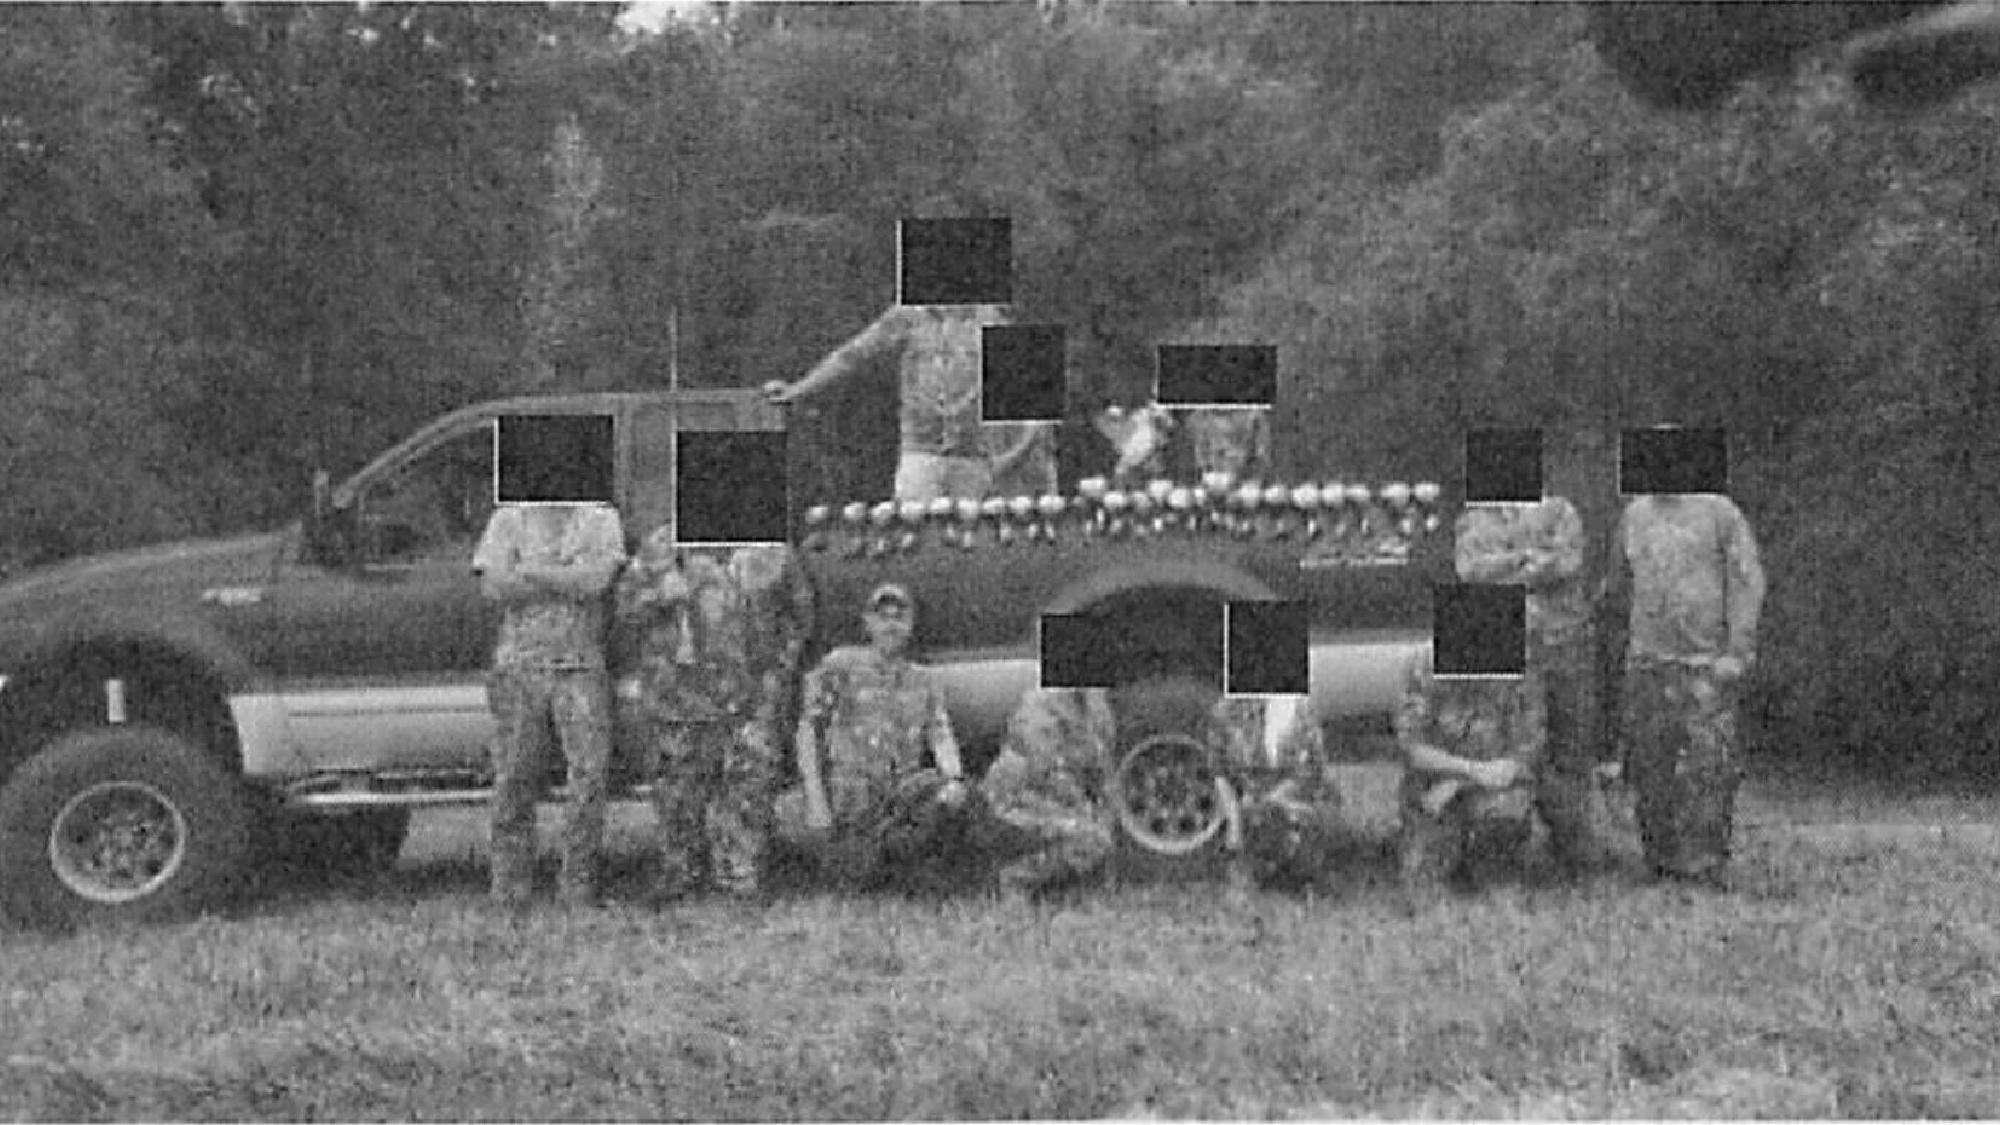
[326, 526]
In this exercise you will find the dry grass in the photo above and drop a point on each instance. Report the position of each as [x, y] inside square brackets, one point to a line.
[1849, 976]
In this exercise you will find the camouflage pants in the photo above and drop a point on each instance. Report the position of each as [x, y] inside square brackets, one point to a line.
[534, 709]
[1070, 833]
[1565, 788]
[1475, 831]
[1681, 757]
[885, 827]
[712, 799]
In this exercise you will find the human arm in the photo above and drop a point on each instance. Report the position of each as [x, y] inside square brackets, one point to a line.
[1416, 737]
[943, 745]
[1028, 442]
[1744, 586]
[885, 335]
[812, 722]
[938, 735]
[595, 551]
[654, 577]
[497, 560]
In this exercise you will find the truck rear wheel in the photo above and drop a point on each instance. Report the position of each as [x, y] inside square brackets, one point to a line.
[123, 823]
[1171, 803]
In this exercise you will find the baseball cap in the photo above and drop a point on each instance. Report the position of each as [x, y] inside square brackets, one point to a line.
[890, 593]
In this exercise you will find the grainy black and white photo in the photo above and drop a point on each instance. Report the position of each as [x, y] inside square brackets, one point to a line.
[716, 560]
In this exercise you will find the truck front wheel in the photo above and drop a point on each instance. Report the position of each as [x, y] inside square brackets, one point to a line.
[124, 823]
[1169, 798]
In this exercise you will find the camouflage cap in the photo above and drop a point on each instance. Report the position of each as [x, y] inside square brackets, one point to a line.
[890, 593]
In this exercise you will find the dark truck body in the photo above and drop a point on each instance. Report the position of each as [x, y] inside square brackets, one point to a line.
[330, 675]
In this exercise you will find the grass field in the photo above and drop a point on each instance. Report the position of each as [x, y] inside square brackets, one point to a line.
[1855, 972]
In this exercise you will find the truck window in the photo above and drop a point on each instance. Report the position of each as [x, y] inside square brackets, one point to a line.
[434, 508]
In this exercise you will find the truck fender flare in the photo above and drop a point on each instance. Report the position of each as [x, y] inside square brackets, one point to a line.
[1227, 582]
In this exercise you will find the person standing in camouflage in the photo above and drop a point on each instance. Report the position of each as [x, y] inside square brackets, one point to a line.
[1541, 546]
[719, 642]
[1047, 785]
[1470, 750]
[869, 717]
[1686, 566]
[1275, 754]
[550, 567]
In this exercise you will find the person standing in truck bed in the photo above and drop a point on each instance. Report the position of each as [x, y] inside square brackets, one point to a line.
[549, 566]
[719, 639]
[938, 346]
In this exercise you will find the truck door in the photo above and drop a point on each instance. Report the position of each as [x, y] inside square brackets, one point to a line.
[402, 606]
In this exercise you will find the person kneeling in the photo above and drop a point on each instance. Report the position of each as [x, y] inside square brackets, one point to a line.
[1047, 789]
[1470, 748]
[871, 809]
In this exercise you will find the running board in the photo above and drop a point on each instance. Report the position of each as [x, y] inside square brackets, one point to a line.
[365, 791]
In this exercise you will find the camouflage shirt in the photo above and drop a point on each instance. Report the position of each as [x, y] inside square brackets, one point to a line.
[874, 716]
[1540, 546]
[1481, 720]
[1278, 738]
[940, 353]
[554, 632]
[1695, 586]
[733, 644]
[1072, 729]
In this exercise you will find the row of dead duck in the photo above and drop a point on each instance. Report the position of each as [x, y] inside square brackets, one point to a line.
[1335, 517]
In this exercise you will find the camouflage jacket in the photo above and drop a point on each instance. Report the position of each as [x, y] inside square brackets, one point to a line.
[1478, 719]
[555, 632]
[1540, 546]
[1688, 569]
[732, 645]
[872, 718]
[940, 383]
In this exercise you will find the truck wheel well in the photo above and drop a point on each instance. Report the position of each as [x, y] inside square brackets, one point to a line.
[1160, 632]
[162, 687]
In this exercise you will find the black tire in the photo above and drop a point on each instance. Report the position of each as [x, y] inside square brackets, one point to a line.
[120, 824]
[346, 845]
[1160, 782]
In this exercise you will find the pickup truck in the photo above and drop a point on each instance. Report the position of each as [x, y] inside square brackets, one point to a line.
[170, 713]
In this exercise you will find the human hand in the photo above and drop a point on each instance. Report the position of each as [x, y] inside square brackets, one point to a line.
[952, 794]
[1728, 668]
[1501, 773]
[819, 818]
[630, 688]
[777, 392]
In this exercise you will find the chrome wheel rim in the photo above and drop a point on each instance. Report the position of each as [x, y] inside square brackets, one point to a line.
[1169, 798]
[117, 841]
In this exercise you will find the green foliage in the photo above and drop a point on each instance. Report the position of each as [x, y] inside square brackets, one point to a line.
[273, 237]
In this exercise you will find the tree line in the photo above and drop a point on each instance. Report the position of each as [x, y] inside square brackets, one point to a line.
[239, 242]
